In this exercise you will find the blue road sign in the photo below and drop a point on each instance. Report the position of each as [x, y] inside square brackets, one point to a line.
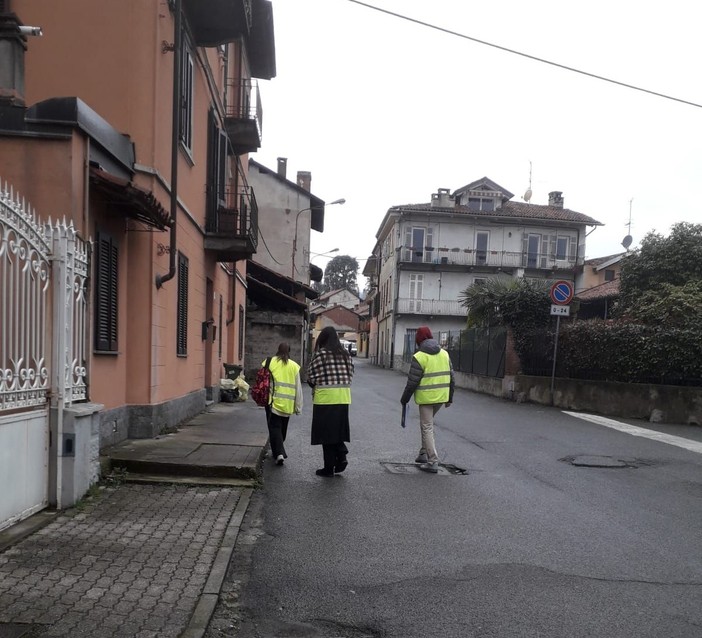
[562, 292]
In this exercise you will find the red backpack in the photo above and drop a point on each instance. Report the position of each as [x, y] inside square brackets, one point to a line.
[263, 385]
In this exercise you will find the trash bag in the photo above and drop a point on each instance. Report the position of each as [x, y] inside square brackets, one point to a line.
[242, 387]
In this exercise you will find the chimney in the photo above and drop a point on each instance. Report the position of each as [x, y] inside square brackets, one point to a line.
[282, 166]
[12, 48]
[555, 198]
[304, 180]
[443, 199]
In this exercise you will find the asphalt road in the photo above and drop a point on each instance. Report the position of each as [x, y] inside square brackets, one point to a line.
[524, 544]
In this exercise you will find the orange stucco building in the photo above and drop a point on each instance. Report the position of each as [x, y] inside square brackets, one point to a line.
[133, 119]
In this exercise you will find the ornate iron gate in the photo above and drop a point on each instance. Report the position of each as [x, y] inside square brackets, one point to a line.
[43, 310]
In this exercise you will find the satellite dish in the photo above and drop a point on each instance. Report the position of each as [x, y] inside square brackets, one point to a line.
[527, 195]
[626, 242]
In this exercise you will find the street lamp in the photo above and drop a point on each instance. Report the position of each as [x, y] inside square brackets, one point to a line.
[297, 218]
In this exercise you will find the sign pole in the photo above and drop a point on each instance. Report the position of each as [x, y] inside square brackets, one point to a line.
[555, 352]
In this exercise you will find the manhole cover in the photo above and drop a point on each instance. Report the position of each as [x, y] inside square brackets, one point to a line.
[413, 468]
[593, 460]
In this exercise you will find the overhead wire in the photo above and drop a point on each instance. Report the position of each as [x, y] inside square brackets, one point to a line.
[524, 55]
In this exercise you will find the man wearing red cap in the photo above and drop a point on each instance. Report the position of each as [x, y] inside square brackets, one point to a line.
[431, 381]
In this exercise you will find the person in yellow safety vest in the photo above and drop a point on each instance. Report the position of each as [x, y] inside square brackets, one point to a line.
[329, 374]
[285, 399]
[431, 380]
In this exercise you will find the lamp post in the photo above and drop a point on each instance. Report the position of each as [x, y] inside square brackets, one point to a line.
[297, 219]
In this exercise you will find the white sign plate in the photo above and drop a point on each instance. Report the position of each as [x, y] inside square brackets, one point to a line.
[562, 311]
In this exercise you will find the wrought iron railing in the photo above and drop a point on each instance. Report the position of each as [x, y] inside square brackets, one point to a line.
[495, 258]
[247, 102]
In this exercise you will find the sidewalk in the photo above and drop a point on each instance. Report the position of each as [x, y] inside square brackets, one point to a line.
[141, 559]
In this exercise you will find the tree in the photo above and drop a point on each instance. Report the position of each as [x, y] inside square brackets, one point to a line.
[513, 302]
[661, 282]
[341, 272]
[662, 264]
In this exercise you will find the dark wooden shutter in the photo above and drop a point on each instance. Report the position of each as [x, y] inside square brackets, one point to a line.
[106, 310]
[182, 318]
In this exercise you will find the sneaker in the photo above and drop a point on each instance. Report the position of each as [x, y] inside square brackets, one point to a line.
[280, 459]
[430, 467]
[422, 458]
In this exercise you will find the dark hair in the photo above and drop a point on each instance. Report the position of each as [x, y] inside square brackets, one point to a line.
[329, 340]
[283, 352]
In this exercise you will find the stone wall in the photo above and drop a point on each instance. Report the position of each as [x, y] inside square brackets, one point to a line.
[265, 329]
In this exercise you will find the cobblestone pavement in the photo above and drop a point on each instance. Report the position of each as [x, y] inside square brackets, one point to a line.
[132, 563]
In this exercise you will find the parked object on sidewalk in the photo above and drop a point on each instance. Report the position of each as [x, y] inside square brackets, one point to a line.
[261, 391]
[329, 375]
[285, 398]
[228, 392]
[232, 370]
[431, 381]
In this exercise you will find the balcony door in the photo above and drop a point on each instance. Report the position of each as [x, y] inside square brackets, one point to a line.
[482, 239]
[533, 243]
[418, 244]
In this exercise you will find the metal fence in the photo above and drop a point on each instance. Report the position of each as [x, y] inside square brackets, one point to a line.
[474, 351]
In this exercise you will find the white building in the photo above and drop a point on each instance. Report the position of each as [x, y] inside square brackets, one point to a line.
[427, 254]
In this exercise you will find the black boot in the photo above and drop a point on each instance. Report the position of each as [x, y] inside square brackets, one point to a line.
[324, 472]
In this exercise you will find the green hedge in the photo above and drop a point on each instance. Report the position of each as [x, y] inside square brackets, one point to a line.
[620, 351]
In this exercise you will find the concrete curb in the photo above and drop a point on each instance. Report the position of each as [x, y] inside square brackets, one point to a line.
[207, 602]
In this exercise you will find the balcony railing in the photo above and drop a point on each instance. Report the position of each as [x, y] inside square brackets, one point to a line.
[487, 258]
[231, 231]
[431, 307]
[244, 116]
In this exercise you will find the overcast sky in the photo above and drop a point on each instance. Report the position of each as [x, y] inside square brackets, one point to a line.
[384, 112]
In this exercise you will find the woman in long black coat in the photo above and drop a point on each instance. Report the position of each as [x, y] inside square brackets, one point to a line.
[329, 374]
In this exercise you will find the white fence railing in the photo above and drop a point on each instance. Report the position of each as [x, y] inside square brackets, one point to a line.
[430, 307]
[493, 258]
[36, 259]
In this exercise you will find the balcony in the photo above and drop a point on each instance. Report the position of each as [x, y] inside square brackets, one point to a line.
[243, 118]
[434, 307]
[231, 229]
[428, 258]
[214, 22]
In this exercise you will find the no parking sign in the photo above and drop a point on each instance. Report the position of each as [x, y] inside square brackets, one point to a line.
[562, 292]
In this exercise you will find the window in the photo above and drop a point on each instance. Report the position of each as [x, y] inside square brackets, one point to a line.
[217, 178]
[482, 239]
[182, 318]
[609, 275]
[186, 96]
[418, 244]
[481, 203]
[106, 270]
[562, 248]
[416, 286]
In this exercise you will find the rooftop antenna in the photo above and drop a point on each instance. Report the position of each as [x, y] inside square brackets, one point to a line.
[626, 242]
[527, 195]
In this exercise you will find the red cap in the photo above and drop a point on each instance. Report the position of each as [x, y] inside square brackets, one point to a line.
[423, 333]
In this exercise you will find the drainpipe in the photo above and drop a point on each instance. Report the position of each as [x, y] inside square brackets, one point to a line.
[175, 142]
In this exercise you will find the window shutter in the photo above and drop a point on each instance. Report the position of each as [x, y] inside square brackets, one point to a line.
[525, 249]
[429, 243]
[106, 288]
[408, 244]
[571, 252]
[182, 308]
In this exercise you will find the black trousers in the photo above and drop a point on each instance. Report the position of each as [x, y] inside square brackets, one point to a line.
[277, 431]
[334, 454]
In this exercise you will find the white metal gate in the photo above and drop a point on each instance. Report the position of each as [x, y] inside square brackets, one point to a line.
[38, 264]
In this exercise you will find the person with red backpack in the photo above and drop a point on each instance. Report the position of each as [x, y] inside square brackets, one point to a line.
[285, 398]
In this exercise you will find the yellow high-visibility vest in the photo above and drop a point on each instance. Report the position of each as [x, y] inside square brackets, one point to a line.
[284, 376]
[436, 381]
[332, 394]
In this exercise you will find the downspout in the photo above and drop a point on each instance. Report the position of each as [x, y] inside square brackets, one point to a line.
[175, 141]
